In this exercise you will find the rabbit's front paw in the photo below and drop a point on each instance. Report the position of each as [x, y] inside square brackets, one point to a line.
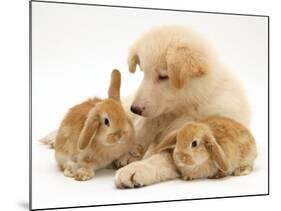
[84, 174]
[68, 169]
[68, 172]
[134, 155]
[134, 175]
[218, 175]
[124, 160]
[242, 171]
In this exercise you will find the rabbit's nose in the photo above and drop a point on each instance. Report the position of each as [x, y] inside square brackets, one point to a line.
[181, 157]
[137, 109]
[118, 134]
[185, 158]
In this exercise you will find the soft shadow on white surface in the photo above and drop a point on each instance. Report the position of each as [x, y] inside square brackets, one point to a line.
[51, 189]
[24, 205]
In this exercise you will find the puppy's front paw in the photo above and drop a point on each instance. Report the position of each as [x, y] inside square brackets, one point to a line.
[84, 174]
[134, 155]
[135, 175]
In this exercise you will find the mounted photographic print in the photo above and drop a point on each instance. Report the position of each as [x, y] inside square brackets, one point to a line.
[139, 105]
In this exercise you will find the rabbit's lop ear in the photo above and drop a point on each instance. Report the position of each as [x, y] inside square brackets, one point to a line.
[217, 153]
[115, 83]
[169, 142]
[89, 130]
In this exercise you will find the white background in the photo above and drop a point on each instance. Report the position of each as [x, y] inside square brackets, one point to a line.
[14, 86]
[75, 48]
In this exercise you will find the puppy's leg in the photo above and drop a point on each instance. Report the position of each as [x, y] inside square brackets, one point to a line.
[144, 135]
[157, 168]
[147, 131]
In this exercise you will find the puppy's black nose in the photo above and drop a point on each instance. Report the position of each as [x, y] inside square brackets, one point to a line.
[137, 109]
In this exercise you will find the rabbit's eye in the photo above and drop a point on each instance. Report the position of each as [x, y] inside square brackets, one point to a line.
[106, 122]
[163, 77]
[194, 143]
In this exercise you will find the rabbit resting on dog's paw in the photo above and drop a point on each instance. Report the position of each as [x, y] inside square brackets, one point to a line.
[213, 148]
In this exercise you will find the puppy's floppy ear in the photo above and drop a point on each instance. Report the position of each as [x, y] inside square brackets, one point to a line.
[133, 60]
[89, 130]
[216, 152]
[169, 142]
[115, 83]
[183, 62]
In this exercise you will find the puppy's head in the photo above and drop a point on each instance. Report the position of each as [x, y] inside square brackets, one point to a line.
[170, 57]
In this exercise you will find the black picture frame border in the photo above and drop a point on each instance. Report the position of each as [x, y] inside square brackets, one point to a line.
[143, 8]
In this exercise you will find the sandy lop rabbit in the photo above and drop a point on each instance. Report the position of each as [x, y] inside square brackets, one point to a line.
[213, 148]
[93, 134]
